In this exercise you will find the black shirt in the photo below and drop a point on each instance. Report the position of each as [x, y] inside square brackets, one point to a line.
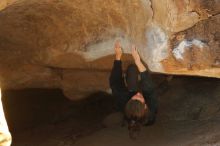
[120, 91]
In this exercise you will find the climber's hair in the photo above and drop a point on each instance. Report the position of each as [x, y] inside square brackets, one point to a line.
[135, 109]
[135, 113]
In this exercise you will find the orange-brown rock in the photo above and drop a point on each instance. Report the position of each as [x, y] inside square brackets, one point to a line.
[196, 52]
[54, 44]
[179, 15]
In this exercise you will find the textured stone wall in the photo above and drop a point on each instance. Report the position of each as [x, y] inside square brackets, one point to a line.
[53, 43]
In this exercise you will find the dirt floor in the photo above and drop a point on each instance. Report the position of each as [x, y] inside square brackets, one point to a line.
[189, 115]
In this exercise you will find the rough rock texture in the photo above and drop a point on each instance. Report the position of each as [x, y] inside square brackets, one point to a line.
[179, 15]
[5, 3]
[175, 15]
[53, 44]
[196, 50]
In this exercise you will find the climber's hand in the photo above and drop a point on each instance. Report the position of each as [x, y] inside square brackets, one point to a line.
[135, 55]
[118, 50]
[137, 59]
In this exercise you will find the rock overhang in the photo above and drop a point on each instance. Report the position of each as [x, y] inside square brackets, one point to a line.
[43, 42]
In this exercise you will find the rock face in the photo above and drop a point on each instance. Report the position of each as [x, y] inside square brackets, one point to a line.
[5, 3]
[69, 44]
[196, 50]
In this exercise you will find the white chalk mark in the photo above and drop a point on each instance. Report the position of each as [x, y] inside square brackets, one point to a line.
[105, 48]
[184, 45]
[156, 49]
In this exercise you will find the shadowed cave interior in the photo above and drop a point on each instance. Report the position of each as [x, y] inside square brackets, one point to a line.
[189, 114]
[56, 57]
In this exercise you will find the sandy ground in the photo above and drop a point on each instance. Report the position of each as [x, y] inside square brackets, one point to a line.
[189, 115]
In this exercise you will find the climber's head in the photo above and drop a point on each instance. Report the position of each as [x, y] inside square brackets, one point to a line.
[136, 107]
[136, 110]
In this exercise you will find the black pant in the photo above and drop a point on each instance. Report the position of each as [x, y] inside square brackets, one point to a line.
[132, 78]
[124, 93]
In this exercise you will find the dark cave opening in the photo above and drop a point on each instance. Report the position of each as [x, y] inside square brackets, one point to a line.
[31, 110]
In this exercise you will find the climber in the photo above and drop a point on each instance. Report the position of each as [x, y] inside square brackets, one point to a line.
[138, 103]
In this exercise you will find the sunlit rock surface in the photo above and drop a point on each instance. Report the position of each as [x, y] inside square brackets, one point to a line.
[5, 3]
[69, 44]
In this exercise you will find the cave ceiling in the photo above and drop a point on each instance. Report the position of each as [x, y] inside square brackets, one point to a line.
[68, 44]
